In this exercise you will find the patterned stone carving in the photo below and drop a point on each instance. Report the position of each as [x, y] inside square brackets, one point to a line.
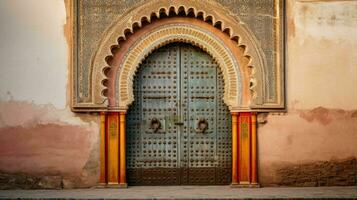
[209, 11]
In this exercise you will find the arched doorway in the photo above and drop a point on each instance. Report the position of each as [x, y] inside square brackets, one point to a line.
[125, 60]
[103, 83]
[178, 127]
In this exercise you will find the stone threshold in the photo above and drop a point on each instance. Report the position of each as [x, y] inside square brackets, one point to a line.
[187, 192]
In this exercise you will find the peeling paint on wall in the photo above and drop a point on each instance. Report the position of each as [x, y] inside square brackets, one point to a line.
[51, 146]
[305, 136]
[40, 141]
[308, 135]
[42, 137]
[25, 114]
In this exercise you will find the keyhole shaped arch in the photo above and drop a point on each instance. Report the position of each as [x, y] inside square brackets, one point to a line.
[229, 57]
[125, 60]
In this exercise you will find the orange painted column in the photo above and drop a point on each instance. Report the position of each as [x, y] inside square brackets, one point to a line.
[103, 176]
[254, 179]
[234, 148]
[122, 155]
[244, 150]
[113, 148]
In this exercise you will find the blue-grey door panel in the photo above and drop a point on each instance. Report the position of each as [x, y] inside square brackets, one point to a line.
[178, 128]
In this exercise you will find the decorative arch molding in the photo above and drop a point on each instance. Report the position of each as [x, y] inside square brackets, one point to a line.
[229, 57]
[126, 25]
[179, 33]
[265, 92]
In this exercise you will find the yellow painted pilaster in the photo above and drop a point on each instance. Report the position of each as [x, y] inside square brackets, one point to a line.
[234, 149]
[113, 148]
[244, 148]
[254, 179]
[102, 179]
[122, 145]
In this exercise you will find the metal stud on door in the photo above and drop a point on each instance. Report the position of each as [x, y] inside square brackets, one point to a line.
[178, 126]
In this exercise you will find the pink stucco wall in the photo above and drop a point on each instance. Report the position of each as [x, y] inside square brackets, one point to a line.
[39, 134]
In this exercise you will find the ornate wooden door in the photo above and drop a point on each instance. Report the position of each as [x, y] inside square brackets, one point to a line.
[178, 128]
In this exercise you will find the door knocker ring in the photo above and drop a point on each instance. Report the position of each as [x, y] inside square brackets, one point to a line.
[155, 125]
[202, 125]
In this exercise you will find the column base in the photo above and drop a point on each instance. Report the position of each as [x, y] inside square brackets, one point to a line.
[123, 185]
[112, 185]
[99, 186]
[245, 185]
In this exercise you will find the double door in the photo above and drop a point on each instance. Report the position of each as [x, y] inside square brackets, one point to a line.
[178, 128]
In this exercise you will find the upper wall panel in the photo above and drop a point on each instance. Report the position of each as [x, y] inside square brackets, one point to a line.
[263, 21]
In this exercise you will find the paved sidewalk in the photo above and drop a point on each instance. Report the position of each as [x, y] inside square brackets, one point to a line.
[187, 192]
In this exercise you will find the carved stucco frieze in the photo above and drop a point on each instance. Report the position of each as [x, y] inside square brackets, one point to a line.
[208, 11]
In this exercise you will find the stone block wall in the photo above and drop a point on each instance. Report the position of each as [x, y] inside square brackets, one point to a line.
[323, 173]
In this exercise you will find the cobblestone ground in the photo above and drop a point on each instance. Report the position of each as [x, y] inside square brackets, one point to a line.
[187, 192]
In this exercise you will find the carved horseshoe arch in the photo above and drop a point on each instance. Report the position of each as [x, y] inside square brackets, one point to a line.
[207, 11]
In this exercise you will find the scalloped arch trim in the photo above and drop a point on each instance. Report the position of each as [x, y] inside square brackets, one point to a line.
[179, 33]
[208, 11]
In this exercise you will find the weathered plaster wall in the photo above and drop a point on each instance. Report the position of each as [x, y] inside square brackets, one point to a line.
[33, 52]
[40, 137]
[321, 122]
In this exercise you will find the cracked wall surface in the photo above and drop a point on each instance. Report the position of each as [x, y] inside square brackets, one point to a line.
[45, 145]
